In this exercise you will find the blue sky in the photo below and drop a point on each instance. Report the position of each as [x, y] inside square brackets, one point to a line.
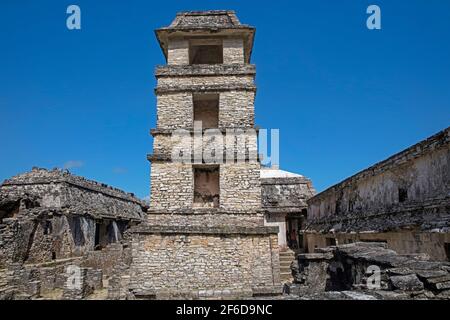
[343, 97]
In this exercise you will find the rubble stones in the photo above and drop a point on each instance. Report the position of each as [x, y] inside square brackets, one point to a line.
[406, 283]
[345, 267]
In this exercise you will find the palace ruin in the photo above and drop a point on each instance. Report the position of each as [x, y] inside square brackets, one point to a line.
[220, 229]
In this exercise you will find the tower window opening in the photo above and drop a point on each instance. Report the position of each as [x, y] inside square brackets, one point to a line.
[206, 186]
[206, 110]
[205, 51]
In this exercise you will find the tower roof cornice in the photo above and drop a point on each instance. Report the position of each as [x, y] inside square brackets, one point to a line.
[206, 23]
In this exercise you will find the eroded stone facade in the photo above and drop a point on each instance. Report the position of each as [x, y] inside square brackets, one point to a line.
[403, 201]
[205, 233]
[51, 220]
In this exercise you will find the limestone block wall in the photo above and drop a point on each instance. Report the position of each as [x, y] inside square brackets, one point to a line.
[236, 109]
[179, 83]
[172, 186]
[233, 50]
[240, 186]
[38, 237]
[242, 141]
[178, 52]
[197, 263]
[278, 220]
[206, 219]
[174, 110]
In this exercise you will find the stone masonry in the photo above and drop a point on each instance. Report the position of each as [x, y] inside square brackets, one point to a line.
[205, 234]
[51, 221]
[403, 201]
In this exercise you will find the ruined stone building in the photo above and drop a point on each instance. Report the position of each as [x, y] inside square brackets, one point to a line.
[403, 201]
[205, 233]
[50, 214]
[284, 196]
[219, 225]
[50, 219]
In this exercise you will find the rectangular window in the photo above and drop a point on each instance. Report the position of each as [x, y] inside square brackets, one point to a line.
[330, 242]
[205, 51]
[97, 237]
[402, 195]
[447, 250]
[206, 186]
[206, 110]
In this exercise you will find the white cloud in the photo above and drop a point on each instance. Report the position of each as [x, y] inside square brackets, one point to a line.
[73, 164]
[119, 170]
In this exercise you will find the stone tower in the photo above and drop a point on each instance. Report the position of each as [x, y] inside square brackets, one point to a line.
[205, 233]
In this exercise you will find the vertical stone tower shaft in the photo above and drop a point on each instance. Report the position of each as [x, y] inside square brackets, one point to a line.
[205, 230]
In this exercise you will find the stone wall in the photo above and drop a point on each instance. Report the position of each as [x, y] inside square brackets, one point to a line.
[208, 218]
[242, 142]
[178, 52]
[49, 220]
[409, 191]
[198, 249]
[172, 186]
[50, 281]
[286, 194]
[421, 173]
[107, 259]
[203, 262]
[283, 198]
[236, 109]
[233, 51]
[175, 109]
[240, 186]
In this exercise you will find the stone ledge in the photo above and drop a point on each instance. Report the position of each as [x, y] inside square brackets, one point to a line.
[294, 210]
[204, 70]
[315, 256]
[201, 294]
[274, 290]
[224, 230]
[170, 131]
[429, 215]
[285, 180]
[204, 88]
[168, 158]
[202, 211]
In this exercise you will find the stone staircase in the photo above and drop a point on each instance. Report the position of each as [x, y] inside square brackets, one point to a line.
[286, 258]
